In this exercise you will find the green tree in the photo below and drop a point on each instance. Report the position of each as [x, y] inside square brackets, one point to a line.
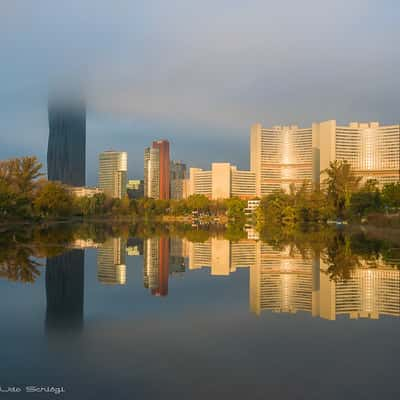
[391, 195]
[53, 200]
[366, 200]
[341, 183]
[198, 202]
[235, 208]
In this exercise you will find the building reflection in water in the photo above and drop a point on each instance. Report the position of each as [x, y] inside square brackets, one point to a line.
[65, 291]
[280, 280]
[156, 265]
[111, 264]
[284, 281]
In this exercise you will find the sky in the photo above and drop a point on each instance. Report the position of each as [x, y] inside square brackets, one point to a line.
[198, 73]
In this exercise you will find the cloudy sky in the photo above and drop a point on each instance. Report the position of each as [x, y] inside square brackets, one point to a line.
[198, 73]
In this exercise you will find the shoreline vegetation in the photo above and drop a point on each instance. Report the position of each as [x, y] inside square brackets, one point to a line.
[27, 197]
[23, 248]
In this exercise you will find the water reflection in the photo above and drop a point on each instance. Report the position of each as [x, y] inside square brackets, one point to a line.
[156, 265]
[65, 291]
[324, 274]
[111, 264]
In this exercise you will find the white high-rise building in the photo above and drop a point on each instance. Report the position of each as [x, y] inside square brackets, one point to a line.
[113, 173]
[285, 156]
[152, 172]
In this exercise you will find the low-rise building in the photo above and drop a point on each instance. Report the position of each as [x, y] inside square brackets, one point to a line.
[221, 182]
[82, 191]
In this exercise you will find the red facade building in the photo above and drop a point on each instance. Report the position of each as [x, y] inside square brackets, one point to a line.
[163, 146]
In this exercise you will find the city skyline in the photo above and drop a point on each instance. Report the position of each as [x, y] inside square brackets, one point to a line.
[211, 87]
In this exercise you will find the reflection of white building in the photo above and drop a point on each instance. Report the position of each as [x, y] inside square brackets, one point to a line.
[282, 281]
[111, 267]
[220, 255]
[368, 293]
[151, 263]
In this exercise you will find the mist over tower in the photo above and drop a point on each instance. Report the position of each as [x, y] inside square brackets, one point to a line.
[66, 152]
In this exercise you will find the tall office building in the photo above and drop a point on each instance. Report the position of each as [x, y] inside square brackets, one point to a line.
[177, 179]
[111, 265]
[280, 157]
[156, 170]
[66, 152]
[152, 173]
[65, 291]
[113, 167]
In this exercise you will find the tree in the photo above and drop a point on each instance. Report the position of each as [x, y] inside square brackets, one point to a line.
[24, 173]
[18, 180]
[391, 195]
[53, 200]
[366, 200]
[198, 202]
[341, 183]
[277, 208]
[235, 208]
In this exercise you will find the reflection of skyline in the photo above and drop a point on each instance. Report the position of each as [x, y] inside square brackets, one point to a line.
[65, 291]
[284, 281]
[111, 265]
[280, 280]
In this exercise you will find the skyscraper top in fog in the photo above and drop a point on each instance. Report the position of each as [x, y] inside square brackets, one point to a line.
[66, 153]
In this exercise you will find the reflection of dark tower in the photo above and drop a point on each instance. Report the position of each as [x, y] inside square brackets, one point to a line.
[65, 291]
[66, 153]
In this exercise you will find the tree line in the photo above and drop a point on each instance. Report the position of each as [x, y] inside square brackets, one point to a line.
[341, 196]
[26, 194]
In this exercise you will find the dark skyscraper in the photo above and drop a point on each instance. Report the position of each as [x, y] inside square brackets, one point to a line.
[66, 153]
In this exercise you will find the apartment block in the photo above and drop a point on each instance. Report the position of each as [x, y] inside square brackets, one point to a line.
[221, 182]
[282, 157]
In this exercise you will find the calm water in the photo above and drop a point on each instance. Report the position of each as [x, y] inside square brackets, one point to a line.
[122, 314]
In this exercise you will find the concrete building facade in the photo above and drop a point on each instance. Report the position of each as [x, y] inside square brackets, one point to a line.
[280, 156]
[373, 151]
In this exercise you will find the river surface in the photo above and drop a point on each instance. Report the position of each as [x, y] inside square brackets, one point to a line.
[132, 314]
